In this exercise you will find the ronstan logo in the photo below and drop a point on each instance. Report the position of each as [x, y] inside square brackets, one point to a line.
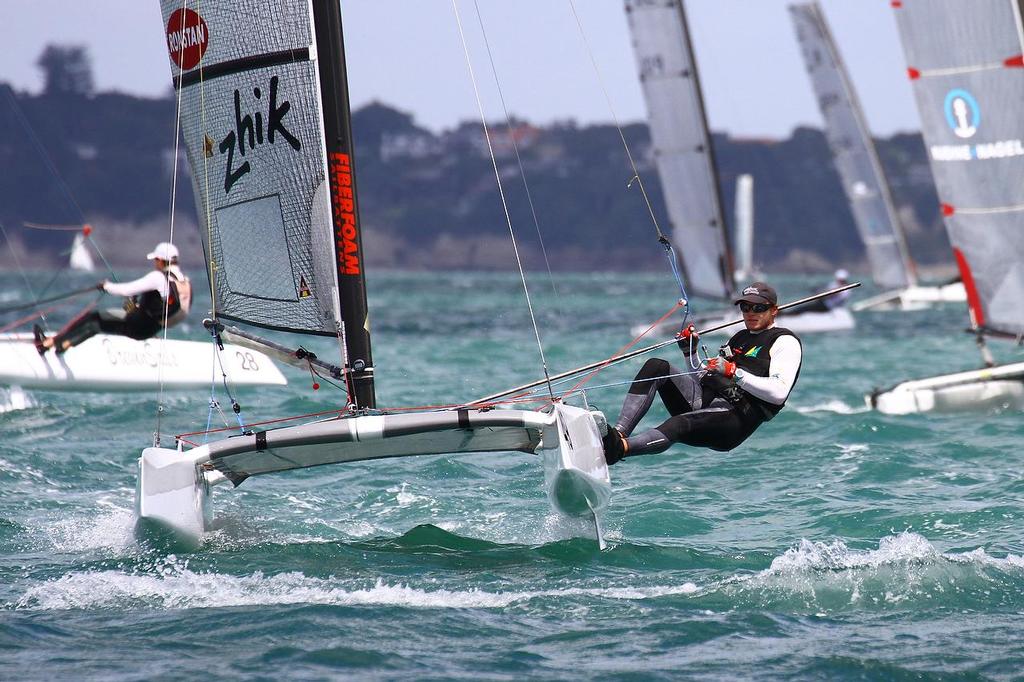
[250, 130]
[186, 38]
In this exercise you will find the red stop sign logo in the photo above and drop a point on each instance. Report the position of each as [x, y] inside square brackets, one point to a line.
[186, 38]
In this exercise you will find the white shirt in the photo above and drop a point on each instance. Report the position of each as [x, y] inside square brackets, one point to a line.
[155, 280]
[786, 356]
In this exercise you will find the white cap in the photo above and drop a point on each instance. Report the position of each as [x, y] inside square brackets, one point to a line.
[840, 274]
[164, 251]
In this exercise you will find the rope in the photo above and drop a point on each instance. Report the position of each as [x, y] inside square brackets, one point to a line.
[519, 160]
[611, 360]
[501, 191]
[662, 239]
[171, 211]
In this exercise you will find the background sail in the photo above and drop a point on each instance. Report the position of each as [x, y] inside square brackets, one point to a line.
[682, 144]
[252, 124]
[853, 151]
[964, 60]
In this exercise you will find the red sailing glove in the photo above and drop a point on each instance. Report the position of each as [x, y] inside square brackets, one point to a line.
[687, 339]
[721, 366]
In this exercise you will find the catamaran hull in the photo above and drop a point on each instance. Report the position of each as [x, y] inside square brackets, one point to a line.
[575, 472]
[914, 298]
[105, 362]
[836, 320]
[982, 389]
[173, 491]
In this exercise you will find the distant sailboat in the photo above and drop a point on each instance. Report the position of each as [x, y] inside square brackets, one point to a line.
[283, 228]
[965, 63]
[864, 182]
[686, 163]
[744, 212]
[80, 258]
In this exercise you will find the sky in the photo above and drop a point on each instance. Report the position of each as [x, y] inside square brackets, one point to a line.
[409, 54]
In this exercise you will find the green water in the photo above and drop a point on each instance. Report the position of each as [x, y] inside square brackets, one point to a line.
[836, 543]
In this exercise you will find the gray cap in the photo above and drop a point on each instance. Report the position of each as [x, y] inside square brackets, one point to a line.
[758, 292]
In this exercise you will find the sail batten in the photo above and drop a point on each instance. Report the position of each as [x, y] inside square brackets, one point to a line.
[853, 151]
[681, 143]
[974, 135]
[265, 119]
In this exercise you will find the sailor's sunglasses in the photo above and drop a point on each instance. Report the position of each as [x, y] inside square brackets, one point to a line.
[756, 307]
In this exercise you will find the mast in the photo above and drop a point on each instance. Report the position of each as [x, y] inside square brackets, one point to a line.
[348, 246]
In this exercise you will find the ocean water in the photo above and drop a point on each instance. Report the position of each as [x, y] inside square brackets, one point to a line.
[836, 543]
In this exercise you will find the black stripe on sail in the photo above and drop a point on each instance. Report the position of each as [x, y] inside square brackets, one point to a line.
[206, 73]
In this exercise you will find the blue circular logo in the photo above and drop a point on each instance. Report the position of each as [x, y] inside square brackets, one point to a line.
[962, 112]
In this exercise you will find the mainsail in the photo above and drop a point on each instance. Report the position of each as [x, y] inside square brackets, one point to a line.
[965, 63]
[682, 144]
[264, 116]
[853, 151]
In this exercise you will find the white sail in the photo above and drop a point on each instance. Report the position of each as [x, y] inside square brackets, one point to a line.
[80, 258]
[853, 151]
[744, 240]
[966, 64]
[968, 79]
[275, 182]
[682, 144]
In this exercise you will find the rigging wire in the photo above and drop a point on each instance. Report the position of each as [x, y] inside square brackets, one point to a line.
[515, 148]
[173, 204]
[662, 239]
[501, 192]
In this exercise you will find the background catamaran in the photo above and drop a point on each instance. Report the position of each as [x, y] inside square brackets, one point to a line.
[864, 182]
[106, 362]
[265, 116]
[686, 165]
[965, 63]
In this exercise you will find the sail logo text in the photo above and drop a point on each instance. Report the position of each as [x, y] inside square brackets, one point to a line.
[346, 232]
[962, 112]
[969, 152]
[251, 130]
[186, 38]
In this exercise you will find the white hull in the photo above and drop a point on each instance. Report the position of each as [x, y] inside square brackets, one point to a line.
[575, 472]
[173, 492]
[836, 320]
[914, 298]
[106, 363]
[974, 390]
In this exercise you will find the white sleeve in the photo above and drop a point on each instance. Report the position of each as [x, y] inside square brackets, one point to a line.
[154, 281]
[785, 363]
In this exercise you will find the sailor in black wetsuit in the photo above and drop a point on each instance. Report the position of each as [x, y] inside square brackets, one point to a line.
[164, 294]
[722, 404]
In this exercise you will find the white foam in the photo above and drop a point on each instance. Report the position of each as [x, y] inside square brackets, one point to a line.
[15, 398]
[835, 406]
[174, 586]
[110, 529]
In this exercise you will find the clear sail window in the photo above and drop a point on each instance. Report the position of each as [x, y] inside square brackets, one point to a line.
[255, 250]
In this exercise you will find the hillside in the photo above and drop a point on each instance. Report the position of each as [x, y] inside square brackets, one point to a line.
[429, 200]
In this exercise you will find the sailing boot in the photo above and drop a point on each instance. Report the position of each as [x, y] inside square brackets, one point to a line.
[38, 335]
[614, 446]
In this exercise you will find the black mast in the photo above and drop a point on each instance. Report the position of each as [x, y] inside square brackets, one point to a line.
[348, 243]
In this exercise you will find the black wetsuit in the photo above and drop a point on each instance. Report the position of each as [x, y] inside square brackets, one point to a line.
[709, 411]
[142, 321]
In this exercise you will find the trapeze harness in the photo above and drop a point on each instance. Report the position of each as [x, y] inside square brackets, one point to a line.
[711, 412]
[179, 302]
